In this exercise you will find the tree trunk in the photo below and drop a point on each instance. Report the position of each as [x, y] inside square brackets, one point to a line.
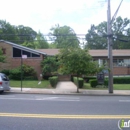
[77, 83]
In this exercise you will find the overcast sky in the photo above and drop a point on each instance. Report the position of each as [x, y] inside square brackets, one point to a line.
[43, 14]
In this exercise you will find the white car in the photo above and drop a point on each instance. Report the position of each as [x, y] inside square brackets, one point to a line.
[4, 83]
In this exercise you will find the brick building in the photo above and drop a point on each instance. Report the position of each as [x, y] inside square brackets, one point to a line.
[121, 59]
[13, 52]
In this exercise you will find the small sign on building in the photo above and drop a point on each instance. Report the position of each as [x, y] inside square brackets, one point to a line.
[24, 56]
[100, 78]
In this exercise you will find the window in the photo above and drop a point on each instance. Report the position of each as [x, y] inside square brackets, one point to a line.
[35, 55]
[26, 53]
[17, 53]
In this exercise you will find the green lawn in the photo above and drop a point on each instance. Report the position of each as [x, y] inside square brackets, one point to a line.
[30, 84]
[46, 84]
[115, 87]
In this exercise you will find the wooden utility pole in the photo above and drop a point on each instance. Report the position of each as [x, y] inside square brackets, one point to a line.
[110, 44]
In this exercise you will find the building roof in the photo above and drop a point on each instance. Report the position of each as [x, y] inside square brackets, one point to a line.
[93, 53]
[52, 52]
[23, 47]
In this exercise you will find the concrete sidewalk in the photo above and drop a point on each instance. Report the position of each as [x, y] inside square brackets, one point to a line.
[70, 88]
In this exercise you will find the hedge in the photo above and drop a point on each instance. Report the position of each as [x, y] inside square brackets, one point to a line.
[121, 80]
[86, 79]
[94, 83]
[79, 83]
[53, 81]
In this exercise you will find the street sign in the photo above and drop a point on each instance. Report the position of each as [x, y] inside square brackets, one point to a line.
[24, 56]
[100, 78]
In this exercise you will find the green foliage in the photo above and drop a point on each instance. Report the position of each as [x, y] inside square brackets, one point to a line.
[41, 42]
[121, 80]
[20, 33]
[76, 61]
[53, 81]
[28, 73]
[87, 78]
[65, 37]
[2, 57]
[15, 74]
[5, 72]
[106, 82]
[96, 36]
[94, 83]
[49, 65]
[79, 82]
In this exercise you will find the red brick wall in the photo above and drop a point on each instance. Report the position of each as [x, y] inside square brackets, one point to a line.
[121, 71]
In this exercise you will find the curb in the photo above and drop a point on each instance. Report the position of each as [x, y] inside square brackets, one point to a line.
[76, 94]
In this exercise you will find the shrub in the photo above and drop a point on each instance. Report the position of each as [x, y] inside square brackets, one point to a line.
[121, 80]
[5, 72]
[15, 74]
[79, 82]
[53, 81]
[30, 78]
[106, 82]
[89, 78]
[28, 73]
[93, 83]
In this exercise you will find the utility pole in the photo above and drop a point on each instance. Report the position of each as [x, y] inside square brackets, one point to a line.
[110, 47]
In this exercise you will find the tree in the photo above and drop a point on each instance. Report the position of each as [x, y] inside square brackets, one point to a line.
[7, 31]
[49, 65]
[41, 42]
[2, 57]
[76, 61]
[97, 35]
[64, 37]
[18, 34]
[25, 34]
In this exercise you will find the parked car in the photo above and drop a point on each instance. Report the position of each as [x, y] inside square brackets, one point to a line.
[4, 83]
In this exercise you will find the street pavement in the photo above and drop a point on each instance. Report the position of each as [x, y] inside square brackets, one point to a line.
[68, 87]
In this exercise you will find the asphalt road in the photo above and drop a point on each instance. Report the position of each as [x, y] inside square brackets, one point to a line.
[62, 112]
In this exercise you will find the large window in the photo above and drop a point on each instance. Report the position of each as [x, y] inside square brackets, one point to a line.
[17, 53]
[121, 62]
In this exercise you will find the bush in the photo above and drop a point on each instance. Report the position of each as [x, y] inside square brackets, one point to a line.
[121, 80]
[93, 83]
[30, 78]
[106, 82]
[53, 81]
[86, 79]
[28, 73]
[5, 72]
[79, 83]
[15, 74]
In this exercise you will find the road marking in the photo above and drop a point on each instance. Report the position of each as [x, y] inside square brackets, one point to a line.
[43, 98]
[124, 100]
[65, 116]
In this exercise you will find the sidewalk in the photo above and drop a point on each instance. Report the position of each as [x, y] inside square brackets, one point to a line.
[70, 88]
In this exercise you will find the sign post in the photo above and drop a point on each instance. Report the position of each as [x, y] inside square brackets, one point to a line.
[22, 57]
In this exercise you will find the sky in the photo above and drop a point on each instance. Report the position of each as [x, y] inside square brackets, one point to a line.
[41, 15]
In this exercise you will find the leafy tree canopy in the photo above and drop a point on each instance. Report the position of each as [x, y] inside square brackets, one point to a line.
[2, 57]
[41, 42]
[97, 35]
[64, 36]
[49, 65]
